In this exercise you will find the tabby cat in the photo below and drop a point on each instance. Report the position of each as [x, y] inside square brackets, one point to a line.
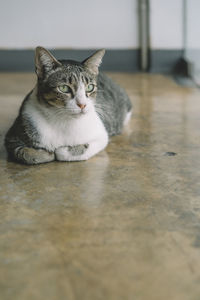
[70, 113]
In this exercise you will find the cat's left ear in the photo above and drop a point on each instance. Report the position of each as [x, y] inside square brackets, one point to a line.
[93, 62]
[44, 62]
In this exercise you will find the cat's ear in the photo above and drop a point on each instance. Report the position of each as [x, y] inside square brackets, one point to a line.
[93, 62]
[44, 62]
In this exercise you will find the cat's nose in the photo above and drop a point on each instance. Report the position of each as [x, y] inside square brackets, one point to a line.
[82, 106]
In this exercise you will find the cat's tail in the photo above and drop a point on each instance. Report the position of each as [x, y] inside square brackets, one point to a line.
[127, 117]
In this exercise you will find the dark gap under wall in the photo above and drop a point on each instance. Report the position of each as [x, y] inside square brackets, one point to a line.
[161, 61]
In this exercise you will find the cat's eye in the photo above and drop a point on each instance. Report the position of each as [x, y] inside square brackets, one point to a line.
[64, 88]
[90, 88]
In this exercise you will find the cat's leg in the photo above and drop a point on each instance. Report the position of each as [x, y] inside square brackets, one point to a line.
[32, 156]
[81, 152]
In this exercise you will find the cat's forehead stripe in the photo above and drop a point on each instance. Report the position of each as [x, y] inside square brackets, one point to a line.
[75, 78]
[70, 80]
[69, 74]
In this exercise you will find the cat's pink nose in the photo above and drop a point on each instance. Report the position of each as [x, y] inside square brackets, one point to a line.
[82, 106]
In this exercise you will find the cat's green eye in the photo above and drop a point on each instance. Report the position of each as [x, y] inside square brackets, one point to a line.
[64, 88]
[90, 88]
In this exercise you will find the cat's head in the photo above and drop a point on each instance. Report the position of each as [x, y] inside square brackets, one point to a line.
[65, 84]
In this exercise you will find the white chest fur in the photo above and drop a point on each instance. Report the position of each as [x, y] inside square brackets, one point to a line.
[56, 131]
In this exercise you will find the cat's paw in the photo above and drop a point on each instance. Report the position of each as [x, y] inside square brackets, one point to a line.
[32, 156]
[78, 149]
[71, 153]
[62, 154]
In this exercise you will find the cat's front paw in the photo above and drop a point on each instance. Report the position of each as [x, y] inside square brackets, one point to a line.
[71, 153]
[78, 149]
[62, 154]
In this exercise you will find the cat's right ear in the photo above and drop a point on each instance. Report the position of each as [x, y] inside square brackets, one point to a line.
[44, 62]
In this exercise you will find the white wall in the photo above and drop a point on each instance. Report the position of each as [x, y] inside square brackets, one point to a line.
[193, 38]
[166, 24]
[93, 23]
[193, 24]
[68, 23]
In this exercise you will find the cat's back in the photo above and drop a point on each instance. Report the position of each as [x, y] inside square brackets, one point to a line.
[112, 104]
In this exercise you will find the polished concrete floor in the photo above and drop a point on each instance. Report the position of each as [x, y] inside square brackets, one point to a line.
[123, 225]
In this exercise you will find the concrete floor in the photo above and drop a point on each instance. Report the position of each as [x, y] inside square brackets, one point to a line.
[123, 225]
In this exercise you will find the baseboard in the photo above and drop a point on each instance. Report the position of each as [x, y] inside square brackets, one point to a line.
[114, 60]
[163, 61]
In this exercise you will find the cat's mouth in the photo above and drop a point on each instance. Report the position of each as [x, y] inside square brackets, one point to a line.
[84, 111]
[77, 111]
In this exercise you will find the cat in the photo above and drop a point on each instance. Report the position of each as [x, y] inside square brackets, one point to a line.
[70, 114]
